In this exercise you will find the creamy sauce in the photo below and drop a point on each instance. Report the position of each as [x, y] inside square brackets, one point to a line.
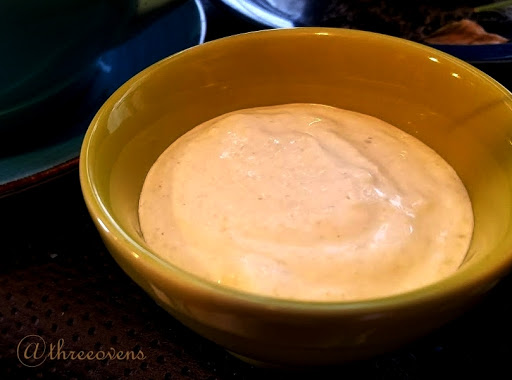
[308, 202]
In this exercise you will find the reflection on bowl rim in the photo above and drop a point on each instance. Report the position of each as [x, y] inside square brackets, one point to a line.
[452, 284]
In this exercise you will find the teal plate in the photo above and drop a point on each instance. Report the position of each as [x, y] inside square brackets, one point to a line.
[37, 160]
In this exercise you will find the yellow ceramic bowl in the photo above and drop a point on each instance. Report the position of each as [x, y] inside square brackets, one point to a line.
[457, 110]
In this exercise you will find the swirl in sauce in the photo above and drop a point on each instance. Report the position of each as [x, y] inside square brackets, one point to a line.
[308, 202]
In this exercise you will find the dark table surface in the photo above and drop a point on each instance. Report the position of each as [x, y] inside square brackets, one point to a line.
[58, 282]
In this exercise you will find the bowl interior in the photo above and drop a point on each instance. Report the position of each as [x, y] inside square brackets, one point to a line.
[455, 109]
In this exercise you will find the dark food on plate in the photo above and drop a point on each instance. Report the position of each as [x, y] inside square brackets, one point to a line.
[464, 32]
[408, 19]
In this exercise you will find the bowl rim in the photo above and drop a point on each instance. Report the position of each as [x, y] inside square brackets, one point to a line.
[463, 281]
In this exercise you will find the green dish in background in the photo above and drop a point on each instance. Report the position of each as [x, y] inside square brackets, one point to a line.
[52, 148]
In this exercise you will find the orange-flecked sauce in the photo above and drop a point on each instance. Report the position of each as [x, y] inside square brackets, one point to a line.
[306, 202]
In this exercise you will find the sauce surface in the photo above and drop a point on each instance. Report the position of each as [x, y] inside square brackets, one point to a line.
[307, 202]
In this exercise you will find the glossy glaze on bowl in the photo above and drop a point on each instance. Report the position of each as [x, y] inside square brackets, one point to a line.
[457, 110]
